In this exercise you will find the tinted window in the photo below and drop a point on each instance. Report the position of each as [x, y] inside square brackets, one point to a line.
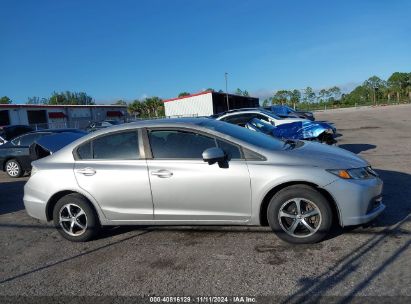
[84, 151]
[122, 145]
[231, 150]
[239, 119]
[243, 119]
[179, 144]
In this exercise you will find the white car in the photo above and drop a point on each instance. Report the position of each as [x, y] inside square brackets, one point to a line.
[242, 116]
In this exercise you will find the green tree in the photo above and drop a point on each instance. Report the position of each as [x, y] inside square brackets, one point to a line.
[322, 95]
[37, 100]
[295, 97]
[309, 95]
[241, 92]
[398, 83]
[70, 98]
[137, 108]
[5, 100]
[359, 95]
[281, 97]
[334, 94]
[182, 94]
[149, 107]
[376, 86]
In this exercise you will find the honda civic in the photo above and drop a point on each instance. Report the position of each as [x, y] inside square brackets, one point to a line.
[199, 171]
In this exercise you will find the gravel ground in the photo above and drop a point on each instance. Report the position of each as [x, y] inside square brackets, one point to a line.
[215, 261]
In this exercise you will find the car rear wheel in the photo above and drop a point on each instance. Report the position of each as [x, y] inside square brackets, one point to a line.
[13, 168]
[75, 219]
[299, 214]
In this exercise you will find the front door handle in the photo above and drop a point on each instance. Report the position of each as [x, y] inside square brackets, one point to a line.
[162, 173]
[86, 171]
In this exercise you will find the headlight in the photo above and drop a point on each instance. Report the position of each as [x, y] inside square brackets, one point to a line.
[356, 173]
[329, 131]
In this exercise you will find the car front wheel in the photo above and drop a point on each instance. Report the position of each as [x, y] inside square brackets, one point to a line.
[299, 214]
[75, 219]
[13, 168]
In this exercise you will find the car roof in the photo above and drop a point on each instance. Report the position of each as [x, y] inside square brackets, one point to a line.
[54, 131]
[168, 122]
[248, 110]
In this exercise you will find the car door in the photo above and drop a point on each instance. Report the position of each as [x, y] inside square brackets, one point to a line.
[187, 189]
[111, 168]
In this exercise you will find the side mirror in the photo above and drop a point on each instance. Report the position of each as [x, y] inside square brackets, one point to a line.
[214, 155]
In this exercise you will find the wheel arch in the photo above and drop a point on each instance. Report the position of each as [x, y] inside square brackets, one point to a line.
[56, 196]
[266, 200]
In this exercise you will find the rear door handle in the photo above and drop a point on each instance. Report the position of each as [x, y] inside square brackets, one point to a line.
[162, 173]
[86, 171]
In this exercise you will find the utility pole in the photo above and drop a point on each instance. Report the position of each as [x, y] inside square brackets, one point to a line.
[226, 90]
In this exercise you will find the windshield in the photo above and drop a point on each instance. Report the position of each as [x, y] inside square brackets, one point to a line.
[261, 125]
[271, 114]
[260, 140]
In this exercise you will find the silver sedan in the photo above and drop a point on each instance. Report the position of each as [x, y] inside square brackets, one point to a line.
[201, 172]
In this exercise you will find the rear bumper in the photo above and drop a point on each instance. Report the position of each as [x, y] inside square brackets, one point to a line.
[358, 201]
[35, 207]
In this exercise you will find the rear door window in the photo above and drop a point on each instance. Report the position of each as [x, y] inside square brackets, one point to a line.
[120, 146]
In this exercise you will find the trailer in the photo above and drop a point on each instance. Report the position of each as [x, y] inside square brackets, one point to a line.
[207, 103]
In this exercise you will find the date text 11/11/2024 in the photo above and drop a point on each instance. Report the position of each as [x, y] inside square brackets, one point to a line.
[202, 299]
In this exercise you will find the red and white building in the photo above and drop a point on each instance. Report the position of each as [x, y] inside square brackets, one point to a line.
[59, 116]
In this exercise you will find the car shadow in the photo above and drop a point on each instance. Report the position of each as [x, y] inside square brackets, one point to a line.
[11, 196]
[357, 148]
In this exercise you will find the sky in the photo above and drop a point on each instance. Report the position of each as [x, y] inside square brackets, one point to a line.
[133, 49]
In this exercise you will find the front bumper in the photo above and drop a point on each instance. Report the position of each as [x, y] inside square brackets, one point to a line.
[358, 201]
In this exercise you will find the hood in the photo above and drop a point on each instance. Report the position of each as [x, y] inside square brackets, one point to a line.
[299, 130]
[323, 156]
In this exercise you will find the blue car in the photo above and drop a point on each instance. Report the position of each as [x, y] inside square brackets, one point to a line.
[286, 111]
[304, 130]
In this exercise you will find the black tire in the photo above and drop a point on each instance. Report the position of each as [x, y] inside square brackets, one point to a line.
[310, 198]
[13, 168]
[76, 201]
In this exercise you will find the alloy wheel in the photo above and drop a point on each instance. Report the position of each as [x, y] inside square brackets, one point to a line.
[299, 217]
[13, 169]
[73, 219]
